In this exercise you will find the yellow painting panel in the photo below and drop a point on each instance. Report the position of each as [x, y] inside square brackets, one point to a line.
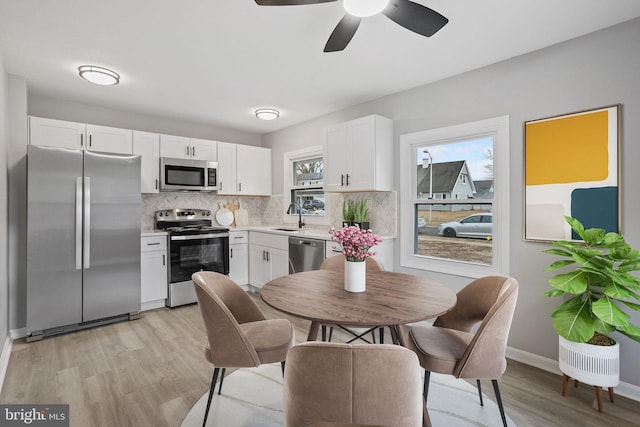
[569, 149]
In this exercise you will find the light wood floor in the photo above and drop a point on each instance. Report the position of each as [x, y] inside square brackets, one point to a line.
[149, 372]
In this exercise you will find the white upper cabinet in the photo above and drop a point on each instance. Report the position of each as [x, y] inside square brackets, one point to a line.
[253, 170]
[203, 149]
[147, 145]
[109, 140]
[227, 155]
[180, 147]
[56, 133]
[79, 136]
[358, 155]
[244, 170]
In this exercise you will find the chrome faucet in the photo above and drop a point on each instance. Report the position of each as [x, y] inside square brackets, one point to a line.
[300, 222]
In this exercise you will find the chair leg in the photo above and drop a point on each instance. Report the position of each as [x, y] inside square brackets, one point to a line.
[480, 392]
[282, 365]
[211, 391]
[496, 389]
[224, 370]
[425, 390]
[330, 333]
[381, 334]
[373, 335]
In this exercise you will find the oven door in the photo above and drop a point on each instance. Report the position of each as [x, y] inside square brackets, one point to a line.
[201, 252]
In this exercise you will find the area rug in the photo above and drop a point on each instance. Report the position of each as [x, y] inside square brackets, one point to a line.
[253, 398]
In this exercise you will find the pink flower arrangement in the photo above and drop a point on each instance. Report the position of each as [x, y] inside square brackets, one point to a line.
[355, 242]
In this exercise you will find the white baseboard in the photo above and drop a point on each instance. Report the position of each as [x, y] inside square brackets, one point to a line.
[150, 305]
[18, 333]
[4, 359]
[550, 365]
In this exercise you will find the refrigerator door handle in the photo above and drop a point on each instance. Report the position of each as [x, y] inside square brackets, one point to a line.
[78, 223]
[87, 222]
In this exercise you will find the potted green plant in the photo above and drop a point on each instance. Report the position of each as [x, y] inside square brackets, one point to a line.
[596, 277]
[348, 212]
[361, 214]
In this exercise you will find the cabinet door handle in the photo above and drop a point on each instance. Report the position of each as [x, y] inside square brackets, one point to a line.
[81, 140]
[231, 253]
[347, 180]
[156, 183]
[220, 186]
[187, 148]
[341, 180]
[239, 187]
[153, 244]
[267, 256]
[193, 151]
[89, 140]
[264, 255]
[163, 259]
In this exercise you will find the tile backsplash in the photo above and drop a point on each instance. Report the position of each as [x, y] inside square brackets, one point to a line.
[267, 211]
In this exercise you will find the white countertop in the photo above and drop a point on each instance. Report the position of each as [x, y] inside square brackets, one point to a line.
[151, 233]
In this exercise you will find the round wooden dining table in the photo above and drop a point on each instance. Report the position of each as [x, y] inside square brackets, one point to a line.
[390, 299]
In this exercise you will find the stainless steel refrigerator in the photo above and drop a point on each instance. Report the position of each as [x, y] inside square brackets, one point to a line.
[83, 239]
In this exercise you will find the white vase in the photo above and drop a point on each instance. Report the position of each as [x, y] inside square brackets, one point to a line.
[590, 364]
[355, 276]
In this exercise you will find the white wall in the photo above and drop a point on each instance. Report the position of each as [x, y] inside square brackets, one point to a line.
[76, 112]
[4, 291]
[591, 71]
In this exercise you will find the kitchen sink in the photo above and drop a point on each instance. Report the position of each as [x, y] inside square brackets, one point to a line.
[286, 229]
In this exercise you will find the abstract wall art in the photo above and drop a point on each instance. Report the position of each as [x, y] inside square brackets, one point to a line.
[571, 169]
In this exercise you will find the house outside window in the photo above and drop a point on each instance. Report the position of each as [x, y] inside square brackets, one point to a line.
[454, 199]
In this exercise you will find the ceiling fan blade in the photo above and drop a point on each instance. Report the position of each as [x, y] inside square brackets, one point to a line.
[290, 2]
[415, 17]
[343, 33]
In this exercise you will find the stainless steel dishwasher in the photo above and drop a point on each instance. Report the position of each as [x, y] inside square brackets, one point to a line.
[305, 254]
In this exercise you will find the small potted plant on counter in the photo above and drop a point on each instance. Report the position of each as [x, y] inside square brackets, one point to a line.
[348, 212]
[599, 287]
[361, 214]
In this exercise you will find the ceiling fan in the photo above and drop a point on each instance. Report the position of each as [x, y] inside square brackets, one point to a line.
[410, 15]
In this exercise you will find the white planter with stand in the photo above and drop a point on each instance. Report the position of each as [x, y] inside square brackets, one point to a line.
[595, 365]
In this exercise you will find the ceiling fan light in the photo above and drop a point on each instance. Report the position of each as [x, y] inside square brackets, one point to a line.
[267, 113]
[364, 8]
[99, 75]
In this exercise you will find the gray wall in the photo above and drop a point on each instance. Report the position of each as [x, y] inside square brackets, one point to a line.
[4, 120]
[76, 112]
[591, 71]
[17, 180]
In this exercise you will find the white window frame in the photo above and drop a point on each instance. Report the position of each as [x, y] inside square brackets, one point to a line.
[290, 157]
[498, 128]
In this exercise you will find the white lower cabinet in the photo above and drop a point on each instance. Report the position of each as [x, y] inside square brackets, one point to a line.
[239, 257]
[153, 266]
[268, 257]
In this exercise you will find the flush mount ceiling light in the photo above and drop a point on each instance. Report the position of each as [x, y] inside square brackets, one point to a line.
[364, 8]
[99, 75]
[267, 113]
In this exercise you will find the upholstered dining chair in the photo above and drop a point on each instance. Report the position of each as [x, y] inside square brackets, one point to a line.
[336, 263]
[469, 341]
[238, 334]
[337, 384]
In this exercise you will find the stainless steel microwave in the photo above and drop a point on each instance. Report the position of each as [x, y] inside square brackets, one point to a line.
[188, 175]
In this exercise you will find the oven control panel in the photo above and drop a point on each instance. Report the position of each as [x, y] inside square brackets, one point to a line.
[182, 214]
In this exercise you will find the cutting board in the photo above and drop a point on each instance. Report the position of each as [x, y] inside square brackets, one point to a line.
[232, 206]
[224, 217]
[242, 216]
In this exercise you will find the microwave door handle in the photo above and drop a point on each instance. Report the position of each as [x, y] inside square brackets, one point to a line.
[78, 223]
[87, 222]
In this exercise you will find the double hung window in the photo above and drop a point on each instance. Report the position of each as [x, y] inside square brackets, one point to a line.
[454, 198]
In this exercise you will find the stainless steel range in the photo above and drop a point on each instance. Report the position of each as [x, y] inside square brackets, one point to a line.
[194, 245]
